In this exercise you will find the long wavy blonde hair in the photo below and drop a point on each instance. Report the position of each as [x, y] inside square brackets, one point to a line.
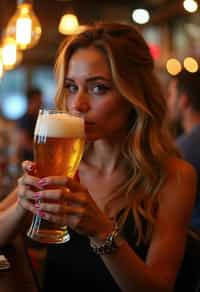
[148, 143]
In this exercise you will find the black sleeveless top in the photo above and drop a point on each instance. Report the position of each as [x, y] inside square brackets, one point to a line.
[73, 266]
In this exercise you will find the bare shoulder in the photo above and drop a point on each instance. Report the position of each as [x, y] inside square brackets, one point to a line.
[180, 170]
[180, 185]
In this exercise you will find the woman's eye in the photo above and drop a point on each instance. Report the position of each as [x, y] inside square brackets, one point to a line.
[71, 88]
[99, 89]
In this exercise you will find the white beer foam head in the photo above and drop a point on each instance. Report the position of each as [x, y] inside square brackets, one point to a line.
[59, 125]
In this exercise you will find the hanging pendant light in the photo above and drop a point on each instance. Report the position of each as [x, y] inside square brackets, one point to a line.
[24, 26]
[68, 24]
[11, 57]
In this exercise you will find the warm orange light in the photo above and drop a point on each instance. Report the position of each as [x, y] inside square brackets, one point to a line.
[173, 66]
[11, 57]
[190, 64]
[24, 27]
[68, 24]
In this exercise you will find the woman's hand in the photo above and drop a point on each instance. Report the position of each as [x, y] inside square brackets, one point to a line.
[64, 201]
[27, 187]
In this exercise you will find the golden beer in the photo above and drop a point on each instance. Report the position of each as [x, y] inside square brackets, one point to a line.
[58, 149]
[57, 156]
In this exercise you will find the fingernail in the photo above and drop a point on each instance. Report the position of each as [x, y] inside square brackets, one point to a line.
[41, 214]
[42, 182]
[36, 196]
[37, 206]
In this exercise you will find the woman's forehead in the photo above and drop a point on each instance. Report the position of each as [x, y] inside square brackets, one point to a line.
[87, 61]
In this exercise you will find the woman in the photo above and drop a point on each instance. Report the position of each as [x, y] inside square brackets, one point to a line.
[129, 212]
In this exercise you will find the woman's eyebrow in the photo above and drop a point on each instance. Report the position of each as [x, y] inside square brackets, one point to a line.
[95, 78]
[90, 79]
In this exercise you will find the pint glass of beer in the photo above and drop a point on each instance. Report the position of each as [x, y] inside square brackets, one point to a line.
[58, 148]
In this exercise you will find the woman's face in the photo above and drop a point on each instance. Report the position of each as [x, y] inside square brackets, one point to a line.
[91, 92]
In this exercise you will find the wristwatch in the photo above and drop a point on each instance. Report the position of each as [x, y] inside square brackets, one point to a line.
[113, 241]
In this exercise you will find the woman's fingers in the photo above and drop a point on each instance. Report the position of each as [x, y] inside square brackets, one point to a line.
[29, 166]
[28, 206]
[66, 215]
[52, 194]
[59, 181]
[60, 202]
[67, 204]
[60, 209]
[26, 198]
[24, 193]
[63, 195]
[62, 181]
[29, 180]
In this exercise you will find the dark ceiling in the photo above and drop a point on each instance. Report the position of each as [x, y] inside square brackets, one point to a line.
[50, 11]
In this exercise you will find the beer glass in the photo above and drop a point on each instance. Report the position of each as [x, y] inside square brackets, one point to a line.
[58, 148]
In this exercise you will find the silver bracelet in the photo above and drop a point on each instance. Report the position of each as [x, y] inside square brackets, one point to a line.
[110, 245]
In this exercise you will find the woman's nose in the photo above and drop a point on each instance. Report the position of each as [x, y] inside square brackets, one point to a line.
[81, 103]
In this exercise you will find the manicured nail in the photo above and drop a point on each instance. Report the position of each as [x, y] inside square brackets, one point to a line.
[41, 214]
[36, 196]
[37, 206]
[43, 182]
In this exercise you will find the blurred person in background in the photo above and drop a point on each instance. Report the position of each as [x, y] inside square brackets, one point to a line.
[26, 123]
[184, 112]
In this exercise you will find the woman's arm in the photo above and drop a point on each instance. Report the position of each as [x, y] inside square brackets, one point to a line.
[166, 249]
[9, 200]
[12, 215]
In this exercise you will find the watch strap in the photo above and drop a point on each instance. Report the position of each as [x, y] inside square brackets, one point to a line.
[112, 242]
